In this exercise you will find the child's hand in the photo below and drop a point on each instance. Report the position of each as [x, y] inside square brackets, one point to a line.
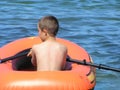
[30, 53]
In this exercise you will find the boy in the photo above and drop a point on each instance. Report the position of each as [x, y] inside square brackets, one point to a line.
[50, 55]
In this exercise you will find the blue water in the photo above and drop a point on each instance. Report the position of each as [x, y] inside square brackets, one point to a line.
[92, 24]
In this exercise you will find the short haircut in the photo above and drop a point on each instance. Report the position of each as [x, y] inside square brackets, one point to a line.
[50, 23]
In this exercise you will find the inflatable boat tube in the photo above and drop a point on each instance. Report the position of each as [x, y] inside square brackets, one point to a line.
[20, 74]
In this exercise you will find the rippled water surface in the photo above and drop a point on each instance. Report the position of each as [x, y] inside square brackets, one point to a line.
[93, 24]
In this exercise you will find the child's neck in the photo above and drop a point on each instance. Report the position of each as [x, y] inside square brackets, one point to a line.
[51, 39]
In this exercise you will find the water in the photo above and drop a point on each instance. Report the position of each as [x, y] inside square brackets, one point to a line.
[92, 24]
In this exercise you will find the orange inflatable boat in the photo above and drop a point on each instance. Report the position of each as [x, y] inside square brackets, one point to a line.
[19, 74]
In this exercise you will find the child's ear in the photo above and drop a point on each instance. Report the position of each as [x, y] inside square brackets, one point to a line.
[45, 31]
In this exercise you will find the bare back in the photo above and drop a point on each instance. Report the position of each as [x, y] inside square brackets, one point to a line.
[50, 56]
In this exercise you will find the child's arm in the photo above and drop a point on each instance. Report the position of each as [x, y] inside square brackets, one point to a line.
[33, 60]
[30, 53]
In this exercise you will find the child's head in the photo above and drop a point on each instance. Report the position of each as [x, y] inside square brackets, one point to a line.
[48, 25]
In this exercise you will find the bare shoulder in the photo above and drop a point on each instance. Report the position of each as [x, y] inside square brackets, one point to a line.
[36, 46]
[62, 46]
